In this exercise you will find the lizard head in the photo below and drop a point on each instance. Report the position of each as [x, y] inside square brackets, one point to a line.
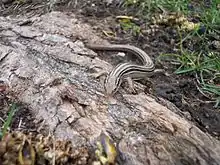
[111, 85]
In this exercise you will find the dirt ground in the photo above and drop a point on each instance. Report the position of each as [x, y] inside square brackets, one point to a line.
[178, 89]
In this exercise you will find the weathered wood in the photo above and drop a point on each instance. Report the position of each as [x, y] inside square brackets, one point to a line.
[53, 74]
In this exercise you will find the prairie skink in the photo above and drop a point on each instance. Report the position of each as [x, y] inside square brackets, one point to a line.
[124, 70]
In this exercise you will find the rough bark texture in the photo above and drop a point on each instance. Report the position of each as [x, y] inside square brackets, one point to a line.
[51, 71]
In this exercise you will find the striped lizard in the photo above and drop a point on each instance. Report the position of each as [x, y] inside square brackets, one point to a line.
[125, 70]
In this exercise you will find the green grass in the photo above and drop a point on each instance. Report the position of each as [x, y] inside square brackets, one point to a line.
[129, 26]
[8, 121]
[203, 61]
[206, 68]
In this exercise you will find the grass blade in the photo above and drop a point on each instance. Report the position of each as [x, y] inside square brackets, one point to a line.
[9, 118]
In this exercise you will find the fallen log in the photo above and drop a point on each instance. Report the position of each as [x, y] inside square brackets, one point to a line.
[49, 70]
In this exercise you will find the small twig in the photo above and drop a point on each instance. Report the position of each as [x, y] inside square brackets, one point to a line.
[206, 102]
[16, 6]
[75, 3]
[19, 124]
[28, 6]
[38, 6]
[2, 120]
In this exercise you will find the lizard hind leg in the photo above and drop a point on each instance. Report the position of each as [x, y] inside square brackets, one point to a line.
[131, 87]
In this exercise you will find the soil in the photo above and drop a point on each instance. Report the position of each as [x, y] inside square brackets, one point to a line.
[181, 90]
